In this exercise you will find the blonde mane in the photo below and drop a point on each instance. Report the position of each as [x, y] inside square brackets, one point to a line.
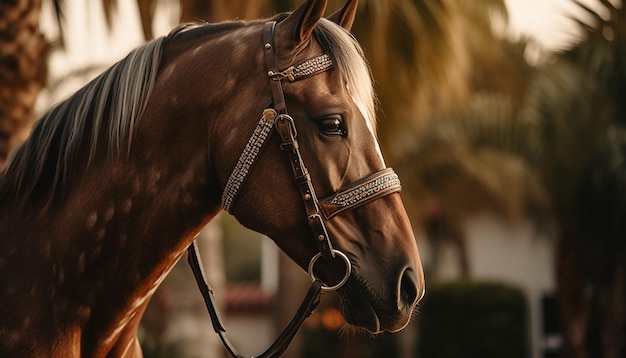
[350, 60]
[109, 108]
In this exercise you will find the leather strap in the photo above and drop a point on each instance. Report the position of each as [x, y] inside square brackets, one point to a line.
[308, 305]
[286, 128]
[247, 159]
[287, 131]
[270, 64]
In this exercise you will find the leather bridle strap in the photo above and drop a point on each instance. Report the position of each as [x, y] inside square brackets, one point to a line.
[287, 130]
[310, 302]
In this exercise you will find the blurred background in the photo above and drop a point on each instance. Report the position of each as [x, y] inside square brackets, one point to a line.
[505, 120]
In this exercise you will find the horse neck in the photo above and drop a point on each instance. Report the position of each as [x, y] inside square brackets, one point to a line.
[142, 216]
[102, 248]
[141, 212]
[98, 254]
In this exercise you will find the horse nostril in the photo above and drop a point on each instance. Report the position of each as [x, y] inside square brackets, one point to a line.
[408, 290]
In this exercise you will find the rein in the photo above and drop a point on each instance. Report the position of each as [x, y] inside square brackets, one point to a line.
[317, 211]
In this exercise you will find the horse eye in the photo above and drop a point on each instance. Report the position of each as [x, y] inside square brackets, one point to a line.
[332, 126]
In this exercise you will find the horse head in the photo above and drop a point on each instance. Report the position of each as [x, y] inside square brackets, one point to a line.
[331, 112]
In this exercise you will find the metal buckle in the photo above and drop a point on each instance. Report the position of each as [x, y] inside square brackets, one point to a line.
[280, 75]
[291, 130]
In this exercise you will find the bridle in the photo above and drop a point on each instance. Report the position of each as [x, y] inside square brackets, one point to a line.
[363, 191]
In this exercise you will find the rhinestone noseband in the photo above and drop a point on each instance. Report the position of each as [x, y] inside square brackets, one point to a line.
[361, 192]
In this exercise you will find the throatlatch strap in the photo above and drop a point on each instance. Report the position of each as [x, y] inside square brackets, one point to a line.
[247, 159]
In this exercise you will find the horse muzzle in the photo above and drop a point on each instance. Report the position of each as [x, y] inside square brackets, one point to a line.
[365, 308]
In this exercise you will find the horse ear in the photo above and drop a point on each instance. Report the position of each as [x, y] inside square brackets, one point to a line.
[302, 20]
[345, 16]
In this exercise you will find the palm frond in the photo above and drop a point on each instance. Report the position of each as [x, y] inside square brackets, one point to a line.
[109, 7]
[414, 56]
[601, 58]
[146, 15]
[564, 108]
[58, 9]
[480, 158]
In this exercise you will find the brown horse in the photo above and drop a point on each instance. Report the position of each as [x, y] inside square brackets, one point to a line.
[103, 198]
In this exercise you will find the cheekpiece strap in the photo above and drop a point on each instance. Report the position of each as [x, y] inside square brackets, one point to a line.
[287, 131]
[289, 144]
[272, 71]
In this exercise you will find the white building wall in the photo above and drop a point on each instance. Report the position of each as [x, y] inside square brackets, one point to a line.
[520, 255]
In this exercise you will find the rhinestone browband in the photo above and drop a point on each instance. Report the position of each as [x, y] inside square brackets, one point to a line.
[307, 68]
[312, 66]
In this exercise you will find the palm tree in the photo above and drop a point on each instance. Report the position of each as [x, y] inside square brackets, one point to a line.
[22, 70]
[421, 57]
[557, 155]
[591, 254]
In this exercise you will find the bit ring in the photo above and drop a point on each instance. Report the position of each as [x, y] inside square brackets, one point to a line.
[345, 259]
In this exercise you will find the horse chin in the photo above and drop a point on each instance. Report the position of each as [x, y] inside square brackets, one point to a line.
[367, 322]
[364, 311]
[363, 320]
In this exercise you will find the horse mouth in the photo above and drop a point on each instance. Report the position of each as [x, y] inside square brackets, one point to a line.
[364, 319]
[363, 309]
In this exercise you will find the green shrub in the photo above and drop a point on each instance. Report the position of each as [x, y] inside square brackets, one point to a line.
[472, 320]
[331, 344]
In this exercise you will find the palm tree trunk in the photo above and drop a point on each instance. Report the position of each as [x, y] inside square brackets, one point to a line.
[220, 10]
[22, 70]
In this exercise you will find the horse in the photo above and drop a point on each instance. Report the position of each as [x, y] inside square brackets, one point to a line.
[114, 183]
